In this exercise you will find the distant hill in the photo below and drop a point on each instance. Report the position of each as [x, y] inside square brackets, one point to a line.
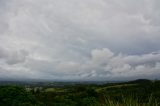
[140, 81]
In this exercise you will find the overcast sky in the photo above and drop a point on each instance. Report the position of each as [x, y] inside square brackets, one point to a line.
[79, 39]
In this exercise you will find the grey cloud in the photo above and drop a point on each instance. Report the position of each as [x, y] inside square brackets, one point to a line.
[104, 65]
[128, 66]
[74, 39]
[12, 57]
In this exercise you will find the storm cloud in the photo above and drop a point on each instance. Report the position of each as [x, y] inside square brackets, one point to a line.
[80, 40]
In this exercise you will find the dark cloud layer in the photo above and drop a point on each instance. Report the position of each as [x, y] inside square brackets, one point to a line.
[80, 40]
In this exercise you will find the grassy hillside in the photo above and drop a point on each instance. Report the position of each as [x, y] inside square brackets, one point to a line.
[134, 93]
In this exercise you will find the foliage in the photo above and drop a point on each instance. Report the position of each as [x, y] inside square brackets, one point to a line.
[16, 96]
[134, 93]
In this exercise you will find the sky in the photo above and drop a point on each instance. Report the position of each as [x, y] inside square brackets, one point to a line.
[80, 39]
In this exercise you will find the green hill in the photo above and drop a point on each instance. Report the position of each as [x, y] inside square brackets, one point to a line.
[140, 92]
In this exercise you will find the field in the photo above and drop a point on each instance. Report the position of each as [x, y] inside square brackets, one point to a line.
[133, 93]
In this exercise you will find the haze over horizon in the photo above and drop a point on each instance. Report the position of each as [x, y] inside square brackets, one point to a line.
[80, 39]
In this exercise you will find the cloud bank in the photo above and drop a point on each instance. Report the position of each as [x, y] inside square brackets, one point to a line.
[79, 40]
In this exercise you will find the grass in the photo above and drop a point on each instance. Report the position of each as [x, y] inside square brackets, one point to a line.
[135, 93]
[54, 90]
[116, 86]
[50, 90]
[128, 101]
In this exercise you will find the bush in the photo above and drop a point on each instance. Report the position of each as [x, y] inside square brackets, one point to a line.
[16, 96]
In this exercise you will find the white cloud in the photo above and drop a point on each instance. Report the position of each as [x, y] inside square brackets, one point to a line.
[101, 55]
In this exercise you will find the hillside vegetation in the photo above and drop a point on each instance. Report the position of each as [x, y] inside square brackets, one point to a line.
[133, 93]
